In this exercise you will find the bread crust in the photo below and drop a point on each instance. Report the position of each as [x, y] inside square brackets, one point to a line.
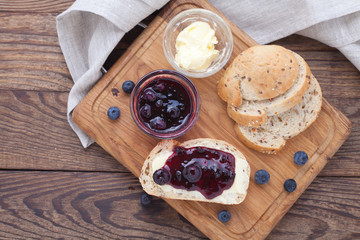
[275, 106]
[266, 71]
[164, 149]
[229, 88]
[257, 147]
[260, 72]
[256, 119]
[314, 94]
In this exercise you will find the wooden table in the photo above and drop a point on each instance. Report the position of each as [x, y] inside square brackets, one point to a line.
[50, 187]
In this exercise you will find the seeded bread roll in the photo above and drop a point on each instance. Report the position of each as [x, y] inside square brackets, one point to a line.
[266, 72]
[258, 73]
[157, 159]
[271, 137]
[255, 113]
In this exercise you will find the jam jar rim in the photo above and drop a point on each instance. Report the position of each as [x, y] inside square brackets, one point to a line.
[194, 101]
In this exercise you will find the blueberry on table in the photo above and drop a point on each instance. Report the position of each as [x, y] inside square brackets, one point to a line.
[128, 86]
[113, 113]
[290, 185]
[262, 176]
[145, 199]
[300, 158]
[224, 216]
[161, 176]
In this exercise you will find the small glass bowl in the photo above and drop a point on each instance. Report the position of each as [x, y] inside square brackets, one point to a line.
[184, 82]
[222, 32]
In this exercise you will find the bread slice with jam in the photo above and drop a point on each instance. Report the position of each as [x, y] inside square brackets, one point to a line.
[202, 169]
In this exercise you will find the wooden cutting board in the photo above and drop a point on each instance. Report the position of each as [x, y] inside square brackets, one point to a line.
[264, 205]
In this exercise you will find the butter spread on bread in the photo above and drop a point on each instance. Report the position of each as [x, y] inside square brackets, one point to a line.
[158, 157]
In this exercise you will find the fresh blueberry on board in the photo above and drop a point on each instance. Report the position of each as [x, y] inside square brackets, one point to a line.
[300, 158]
[113, 113]
[128, 86]
[262, 176]
[145, 199]
[290, 185]
[224, 216]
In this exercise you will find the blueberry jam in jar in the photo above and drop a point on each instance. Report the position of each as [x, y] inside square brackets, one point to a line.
[207, 170]
[165, 104]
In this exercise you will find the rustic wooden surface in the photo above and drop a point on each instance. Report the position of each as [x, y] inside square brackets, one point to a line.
[52, 188]
[264, 206]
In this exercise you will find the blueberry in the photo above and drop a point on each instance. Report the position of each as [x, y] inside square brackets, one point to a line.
[113, 113]
[300, 158]
[161, 96]
[145, 199]
[192, 173]
[159, 87]
[200, 150]
[161, 176]
[290, 185]
[262, 176]
[150, 95]
[173, 111]
[179, 150]
[181, 106]
[213, 168]
[145, 111]
[159, 103]
[128, 86]
[204, 168]
[178, 175]
[158, 123]
[224, 216]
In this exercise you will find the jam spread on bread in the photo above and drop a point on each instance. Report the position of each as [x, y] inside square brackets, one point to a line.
[207, 170]
[164, 105]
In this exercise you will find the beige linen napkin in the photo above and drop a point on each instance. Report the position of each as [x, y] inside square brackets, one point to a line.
[90, 29]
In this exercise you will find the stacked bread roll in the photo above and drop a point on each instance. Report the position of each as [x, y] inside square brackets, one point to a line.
[271, 95]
